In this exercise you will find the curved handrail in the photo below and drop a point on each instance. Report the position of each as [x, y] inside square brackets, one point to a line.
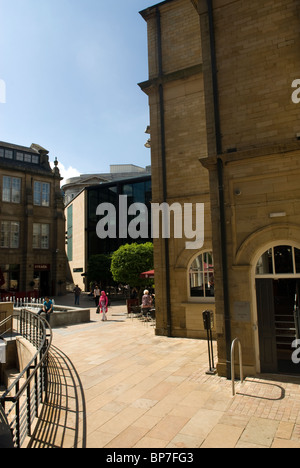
[232, 363]
[42, 348]
[33, 328]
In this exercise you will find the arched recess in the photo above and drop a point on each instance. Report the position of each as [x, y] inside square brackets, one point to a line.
[257, 243]
[262, 293]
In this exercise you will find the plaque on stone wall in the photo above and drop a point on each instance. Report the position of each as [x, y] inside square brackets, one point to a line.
[242, 312]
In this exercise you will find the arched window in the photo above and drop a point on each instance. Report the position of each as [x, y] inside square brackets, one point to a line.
[279, 260]
[201, 276]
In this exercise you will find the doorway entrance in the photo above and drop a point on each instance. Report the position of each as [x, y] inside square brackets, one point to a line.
[277, 291]
[42, 276]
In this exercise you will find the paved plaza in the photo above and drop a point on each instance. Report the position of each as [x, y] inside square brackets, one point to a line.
[116, 385]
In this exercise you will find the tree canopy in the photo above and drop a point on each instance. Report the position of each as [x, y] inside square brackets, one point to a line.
[130, 261]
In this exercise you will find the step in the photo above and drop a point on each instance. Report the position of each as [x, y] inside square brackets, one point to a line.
[9, 376]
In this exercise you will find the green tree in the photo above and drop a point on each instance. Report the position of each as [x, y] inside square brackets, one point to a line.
[130, 261]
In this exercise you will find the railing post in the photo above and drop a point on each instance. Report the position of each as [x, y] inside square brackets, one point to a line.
[232, 364]
[46, 364]
[18, 435]
[28, 406]
[36, 386]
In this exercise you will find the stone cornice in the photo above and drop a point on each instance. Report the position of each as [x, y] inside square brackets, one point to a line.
[169, 77]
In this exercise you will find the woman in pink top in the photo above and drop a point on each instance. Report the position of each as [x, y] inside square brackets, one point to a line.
[103, 303]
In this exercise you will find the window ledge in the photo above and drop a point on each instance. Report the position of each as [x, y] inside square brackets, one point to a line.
[202, 300]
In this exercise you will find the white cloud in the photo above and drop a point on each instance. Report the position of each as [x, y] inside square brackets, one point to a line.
[66, 173]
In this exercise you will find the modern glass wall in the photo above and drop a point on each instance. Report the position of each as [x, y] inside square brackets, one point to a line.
[138, 190]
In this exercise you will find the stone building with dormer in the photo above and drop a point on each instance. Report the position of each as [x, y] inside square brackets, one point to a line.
[32, 223]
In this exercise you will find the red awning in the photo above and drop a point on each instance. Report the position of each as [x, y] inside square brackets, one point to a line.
[148, 274]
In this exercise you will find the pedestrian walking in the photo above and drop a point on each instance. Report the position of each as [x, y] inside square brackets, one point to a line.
[97, 294]
[77, 292]
[103, 303]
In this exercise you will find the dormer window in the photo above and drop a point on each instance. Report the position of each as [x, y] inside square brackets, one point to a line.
[19, 156]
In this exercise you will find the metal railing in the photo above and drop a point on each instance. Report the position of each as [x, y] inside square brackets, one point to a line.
[22, 400]
[232, 363]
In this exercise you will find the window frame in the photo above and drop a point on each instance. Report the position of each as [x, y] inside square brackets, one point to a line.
[38, 194]
[201, 299]
[40, 236]
[12, 189]
[275, 273]
[8, 154]
[8, 234]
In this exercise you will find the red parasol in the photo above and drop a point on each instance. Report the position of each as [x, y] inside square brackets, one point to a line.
[148, 274]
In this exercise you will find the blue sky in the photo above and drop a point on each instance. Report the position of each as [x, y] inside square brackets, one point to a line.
[71, 69]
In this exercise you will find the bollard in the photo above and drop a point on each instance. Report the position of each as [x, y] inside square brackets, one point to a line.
[208, 317]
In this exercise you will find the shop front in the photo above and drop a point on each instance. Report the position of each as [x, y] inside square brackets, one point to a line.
[42, 279]
[9, 278]
[265, 304]
[277, 281]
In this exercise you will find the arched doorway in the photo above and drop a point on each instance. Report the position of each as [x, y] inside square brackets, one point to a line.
[277, 279]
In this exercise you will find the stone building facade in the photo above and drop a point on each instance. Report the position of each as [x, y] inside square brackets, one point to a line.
[184, 282]
[254, 167]
[243, 126]
[32, 237]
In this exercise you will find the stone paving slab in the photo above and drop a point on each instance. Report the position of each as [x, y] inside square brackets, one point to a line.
[145, 391]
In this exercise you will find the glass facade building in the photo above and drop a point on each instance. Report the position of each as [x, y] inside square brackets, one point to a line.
[137, 190]
[83, 218]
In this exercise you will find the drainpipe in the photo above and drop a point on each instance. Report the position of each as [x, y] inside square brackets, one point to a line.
[224, 268]
[220, 169]
[164, 165]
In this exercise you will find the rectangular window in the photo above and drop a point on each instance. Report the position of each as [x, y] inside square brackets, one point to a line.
[11, 190]
[6, 189]
[41, 236]
[41, 194]
[37, 198]
[44, 236]
[19, 156]
[283, 255]
[45, 194]
[1, 152]
[35, 159]
[10, 235]
[15, 190]
[14, 235]
[9, 154]
[5, 235]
